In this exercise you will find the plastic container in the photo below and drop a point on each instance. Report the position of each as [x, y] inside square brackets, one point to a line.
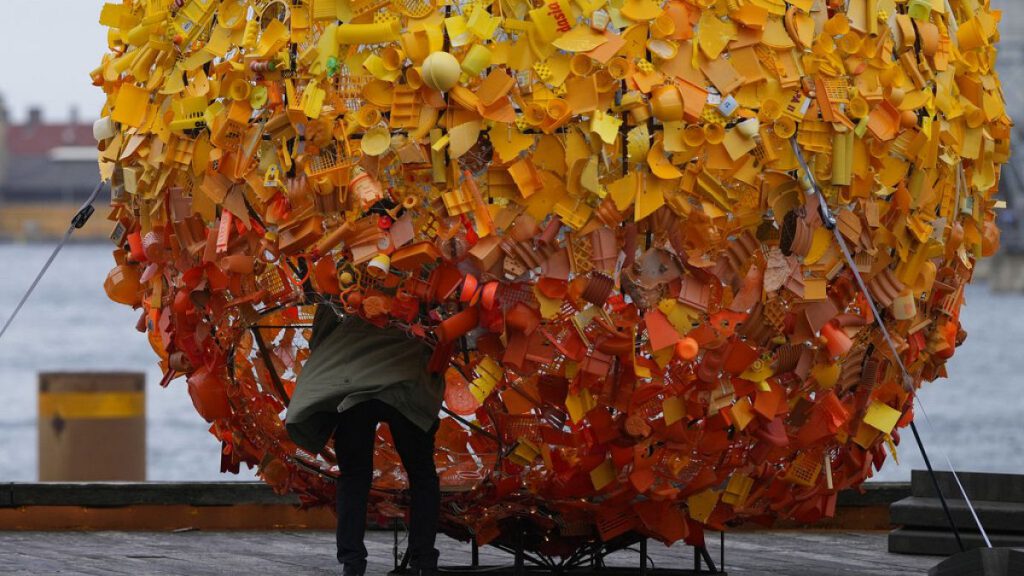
[365, 187]
[687, 349]
[667, 103]
[836, 340]
[103, 129]
[440, 71]
[122, 285]
[379, 266]
[714, 133]
[693, 135]
[457, 325]
[749, 127]
[478, 58]
[581, 65]
[785, 127]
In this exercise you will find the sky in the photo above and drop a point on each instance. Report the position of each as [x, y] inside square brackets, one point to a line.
[47, 49]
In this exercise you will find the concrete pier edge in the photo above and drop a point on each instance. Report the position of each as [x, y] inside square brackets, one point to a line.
[255, 506]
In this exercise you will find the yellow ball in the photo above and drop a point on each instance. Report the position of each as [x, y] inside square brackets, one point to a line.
[441, 71]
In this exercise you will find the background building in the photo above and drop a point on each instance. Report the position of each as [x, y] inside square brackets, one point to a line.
[46, 171]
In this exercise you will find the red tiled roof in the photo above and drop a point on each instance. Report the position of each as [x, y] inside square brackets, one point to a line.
[39, 139]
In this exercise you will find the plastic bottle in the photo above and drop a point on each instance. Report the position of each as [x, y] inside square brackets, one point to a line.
[365, 188]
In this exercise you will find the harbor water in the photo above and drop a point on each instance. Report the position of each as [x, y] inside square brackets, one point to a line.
[975, 417]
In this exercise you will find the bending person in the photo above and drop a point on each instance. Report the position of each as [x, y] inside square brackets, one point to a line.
[358, 375]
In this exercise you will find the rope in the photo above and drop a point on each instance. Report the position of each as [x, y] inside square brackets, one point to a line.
[77, 221]
[956, 478]
[830, 223]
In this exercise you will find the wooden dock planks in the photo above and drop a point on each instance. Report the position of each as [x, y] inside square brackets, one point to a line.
[295, 553]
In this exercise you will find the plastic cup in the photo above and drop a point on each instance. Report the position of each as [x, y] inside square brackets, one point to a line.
[581, 65]
[667, 103]
[392, 57]
[785, 127]
[619, 67]
[606, 82]
[368, 116]
[714, 133]
[693, 135]
[535, 113]
[378, 266]
[663, 26]
[376, 141]
[859, 107]
[851, 43]
[239, 89]
[478, 58]
[771, 110]
[557, 108]
[749, 127]
[413, 78]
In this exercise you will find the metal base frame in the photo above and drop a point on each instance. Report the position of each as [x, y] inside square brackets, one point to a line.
[588, 559]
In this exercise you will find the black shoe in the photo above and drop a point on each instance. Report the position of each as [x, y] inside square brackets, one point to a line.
[349, 570]
[428, 572]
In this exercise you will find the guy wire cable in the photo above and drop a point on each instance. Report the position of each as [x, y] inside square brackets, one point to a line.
[829, 220]
[956, 477]
[77, 221]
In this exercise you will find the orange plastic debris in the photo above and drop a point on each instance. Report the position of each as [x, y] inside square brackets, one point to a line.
[613, 223]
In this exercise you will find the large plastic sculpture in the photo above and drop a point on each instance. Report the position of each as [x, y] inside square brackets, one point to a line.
[636, 233]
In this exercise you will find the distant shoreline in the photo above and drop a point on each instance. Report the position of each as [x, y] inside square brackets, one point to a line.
[47, 222]
[52, 241]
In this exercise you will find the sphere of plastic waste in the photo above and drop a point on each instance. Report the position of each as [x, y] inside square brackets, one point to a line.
[651, 327]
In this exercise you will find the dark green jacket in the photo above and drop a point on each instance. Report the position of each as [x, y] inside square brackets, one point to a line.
[352, 361]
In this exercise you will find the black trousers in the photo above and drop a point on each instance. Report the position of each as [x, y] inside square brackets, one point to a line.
[353, 443]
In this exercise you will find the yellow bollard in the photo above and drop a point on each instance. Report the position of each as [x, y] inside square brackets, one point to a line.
[92, 426]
